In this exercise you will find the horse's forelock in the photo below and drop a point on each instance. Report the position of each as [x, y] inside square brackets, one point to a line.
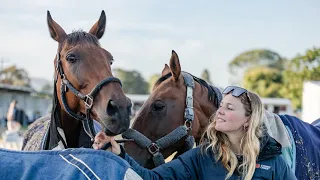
[81, 37]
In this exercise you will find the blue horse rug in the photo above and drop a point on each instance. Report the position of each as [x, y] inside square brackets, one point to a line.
[79, 163]
[307, 142]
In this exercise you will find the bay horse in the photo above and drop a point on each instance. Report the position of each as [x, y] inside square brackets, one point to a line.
[84, 91]
[179, 109]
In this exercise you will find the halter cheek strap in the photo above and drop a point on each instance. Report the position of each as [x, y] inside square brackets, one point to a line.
[184, 131]
[87, 98]
[189, 112]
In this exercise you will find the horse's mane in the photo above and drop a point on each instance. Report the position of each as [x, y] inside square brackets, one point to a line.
[81, 37]
[211, 92]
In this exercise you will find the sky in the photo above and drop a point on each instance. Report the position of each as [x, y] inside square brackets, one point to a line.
[141, 34]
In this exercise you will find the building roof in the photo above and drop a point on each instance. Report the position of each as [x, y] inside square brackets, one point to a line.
[276, 101]
[16, 88]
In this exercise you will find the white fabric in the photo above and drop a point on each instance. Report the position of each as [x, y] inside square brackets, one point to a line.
[276, 129]
[131, 175]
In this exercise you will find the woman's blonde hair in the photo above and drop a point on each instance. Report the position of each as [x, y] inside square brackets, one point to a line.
[250, 145]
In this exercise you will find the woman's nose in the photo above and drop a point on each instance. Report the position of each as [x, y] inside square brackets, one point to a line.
[220, 110]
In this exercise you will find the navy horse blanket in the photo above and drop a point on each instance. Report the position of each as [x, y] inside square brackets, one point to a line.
[307, 142]
[79, 163]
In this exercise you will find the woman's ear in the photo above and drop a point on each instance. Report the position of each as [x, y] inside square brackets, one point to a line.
[246, 124]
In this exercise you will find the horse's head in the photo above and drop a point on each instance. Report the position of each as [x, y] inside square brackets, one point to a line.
[84, 84]
[164, 111]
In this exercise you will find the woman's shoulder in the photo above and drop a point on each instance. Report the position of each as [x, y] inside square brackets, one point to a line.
[279, 162]
[269, 148]
[275, 167]
[201, 152]
[276, 164]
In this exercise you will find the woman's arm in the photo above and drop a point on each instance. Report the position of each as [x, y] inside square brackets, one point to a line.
[184, 167]
[172, 170]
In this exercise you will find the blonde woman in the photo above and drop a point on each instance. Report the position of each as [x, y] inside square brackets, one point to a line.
[238, 146]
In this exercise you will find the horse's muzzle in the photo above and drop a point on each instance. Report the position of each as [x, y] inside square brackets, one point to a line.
[117, 119]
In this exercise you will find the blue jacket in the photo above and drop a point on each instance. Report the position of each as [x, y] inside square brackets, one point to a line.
[197, 164]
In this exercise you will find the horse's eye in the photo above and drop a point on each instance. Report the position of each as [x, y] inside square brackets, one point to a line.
[158, 106]
[71, 58]
[111, 62]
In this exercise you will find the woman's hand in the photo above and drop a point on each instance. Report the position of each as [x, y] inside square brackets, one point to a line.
[101, 139]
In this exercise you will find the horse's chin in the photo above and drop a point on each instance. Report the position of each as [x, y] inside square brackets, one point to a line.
[101, 126]
[108, 132]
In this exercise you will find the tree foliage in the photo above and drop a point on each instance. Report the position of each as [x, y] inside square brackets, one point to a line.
[253, 58]
[301, 68]
[264, 81]
[152, 80]
[14, 76]
[132, 81]
[205, 75]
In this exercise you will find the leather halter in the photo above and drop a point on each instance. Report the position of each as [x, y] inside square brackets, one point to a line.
[183, 131]
[88, 99]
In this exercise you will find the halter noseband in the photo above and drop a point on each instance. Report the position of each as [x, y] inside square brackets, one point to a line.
[88, 99]
[180, 132]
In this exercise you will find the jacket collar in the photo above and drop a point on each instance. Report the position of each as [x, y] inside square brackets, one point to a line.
[269, 148]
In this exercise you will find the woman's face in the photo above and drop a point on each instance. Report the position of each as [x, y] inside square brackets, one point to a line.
[230, 116]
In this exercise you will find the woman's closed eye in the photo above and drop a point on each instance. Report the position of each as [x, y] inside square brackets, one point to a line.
[230, 108]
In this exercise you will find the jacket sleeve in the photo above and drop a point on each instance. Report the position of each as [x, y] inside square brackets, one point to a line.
[184, 167]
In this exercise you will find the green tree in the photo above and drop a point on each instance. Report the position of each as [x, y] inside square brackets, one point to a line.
[132, 81]
[253, 58]
[263, 80]
[302, 68]
[152, 80]
[14, 76]
[205, 75]
[47, 90]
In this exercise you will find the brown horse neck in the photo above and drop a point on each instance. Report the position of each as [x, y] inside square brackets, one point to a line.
[204, 109]
[71, 128]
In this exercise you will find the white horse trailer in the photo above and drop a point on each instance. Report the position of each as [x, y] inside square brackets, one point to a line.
[278, 105]
[311, 101]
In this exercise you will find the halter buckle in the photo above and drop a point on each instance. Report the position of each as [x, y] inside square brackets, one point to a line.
[88, 101]
[64, 87]
[188, 124]
[189, 113]
[153, 148]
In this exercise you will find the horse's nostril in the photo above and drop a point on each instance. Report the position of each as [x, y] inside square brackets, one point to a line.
[112, 108]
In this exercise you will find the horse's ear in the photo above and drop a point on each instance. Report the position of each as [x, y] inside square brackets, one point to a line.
[175, 66]
[56, 31]
[166, 70]
[99, 27]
